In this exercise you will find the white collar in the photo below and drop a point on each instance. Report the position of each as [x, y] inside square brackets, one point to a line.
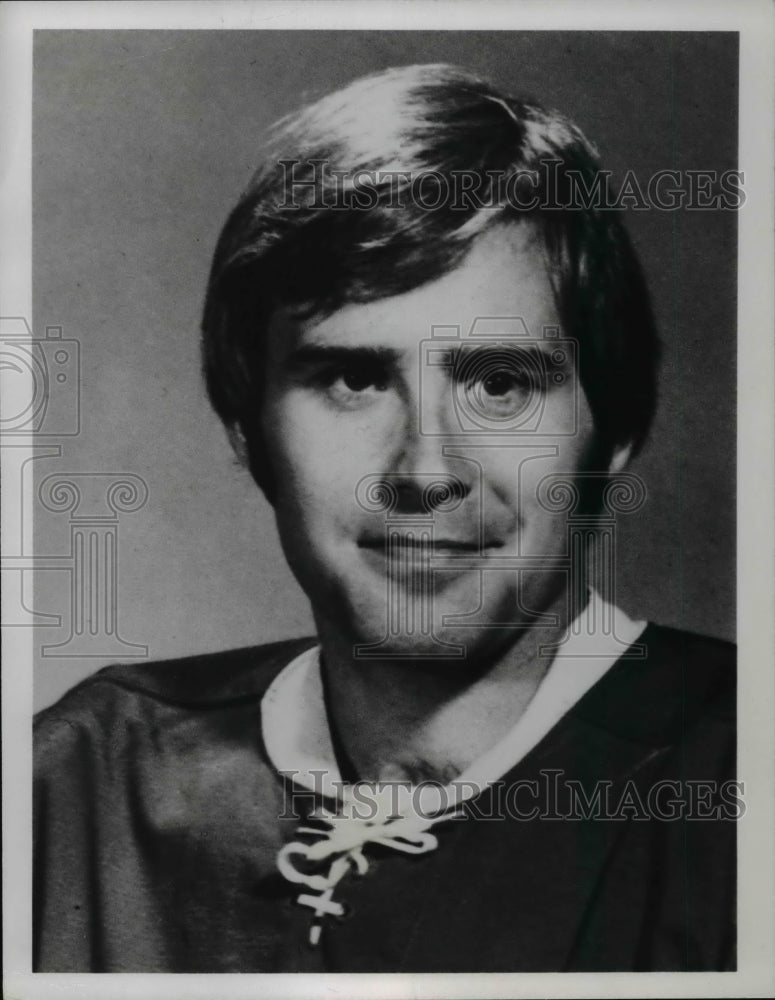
[298, 738]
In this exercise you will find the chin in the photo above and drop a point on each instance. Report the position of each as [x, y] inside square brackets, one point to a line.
[441, 644]
[416, 630]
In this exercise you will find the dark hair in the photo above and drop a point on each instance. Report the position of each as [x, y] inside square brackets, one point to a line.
[385, 185]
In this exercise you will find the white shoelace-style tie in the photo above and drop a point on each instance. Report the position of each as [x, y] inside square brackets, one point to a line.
[343, 842]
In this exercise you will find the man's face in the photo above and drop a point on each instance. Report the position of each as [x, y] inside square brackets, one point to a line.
[365, 404]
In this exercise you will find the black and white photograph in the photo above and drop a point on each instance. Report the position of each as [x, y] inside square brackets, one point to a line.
[387, 510]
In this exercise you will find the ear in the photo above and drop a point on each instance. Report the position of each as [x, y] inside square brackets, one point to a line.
[238, 443]
[620, 458]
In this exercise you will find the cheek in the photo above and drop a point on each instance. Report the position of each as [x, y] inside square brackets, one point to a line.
[560, 443]
[517, 479]
[313, 469]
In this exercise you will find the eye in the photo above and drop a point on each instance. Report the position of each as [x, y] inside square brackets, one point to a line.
[358, 378]
[499, 384]
[355, 383]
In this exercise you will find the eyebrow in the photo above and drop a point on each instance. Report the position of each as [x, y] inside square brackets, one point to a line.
[310, 355]
[536, 351]
[330, 355]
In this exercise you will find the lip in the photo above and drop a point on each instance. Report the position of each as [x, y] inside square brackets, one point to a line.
[411, 562]
[402, 546]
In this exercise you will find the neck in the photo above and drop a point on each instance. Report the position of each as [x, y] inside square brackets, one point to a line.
[399, 720]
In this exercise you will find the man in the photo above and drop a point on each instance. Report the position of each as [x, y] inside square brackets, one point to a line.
[435, 353]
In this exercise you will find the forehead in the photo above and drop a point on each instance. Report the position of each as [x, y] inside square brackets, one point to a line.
[501, 289]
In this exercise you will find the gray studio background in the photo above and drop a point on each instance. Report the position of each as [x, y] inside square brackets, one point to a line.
[142, 141]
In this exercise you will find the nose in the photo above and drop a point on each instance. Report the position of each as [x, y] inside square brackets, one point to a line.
[424, 478]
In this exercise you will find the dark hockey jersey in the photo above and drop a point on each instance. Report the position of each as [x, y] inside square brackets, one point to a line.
[609, 846]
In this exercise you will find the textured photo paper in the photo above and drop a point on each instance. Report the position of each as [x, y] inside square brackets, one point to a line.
[452, 467]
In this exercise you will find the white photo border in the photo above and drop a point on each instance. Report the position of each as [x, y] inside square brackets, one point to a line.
[756, 537]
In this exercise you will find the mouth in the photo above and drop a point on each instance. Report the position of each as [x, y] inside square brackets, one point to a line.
[414, 562]
[410, 547]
